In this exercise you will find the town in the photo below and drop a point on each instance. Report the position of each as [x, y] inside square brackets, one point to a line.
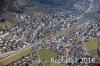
[40, 35]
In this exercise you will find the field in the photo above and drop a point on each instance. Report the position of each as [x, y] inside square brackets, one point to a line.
[47, 54]
[5, 25]
[91, 44]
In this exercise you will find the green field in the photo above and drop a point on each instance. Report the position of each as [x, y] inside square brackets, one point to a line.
[5, 25]
[47, 54]
[91, 44]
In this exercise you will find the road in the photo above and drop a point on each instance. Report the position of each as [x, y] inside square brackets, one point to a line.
[90, 7]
